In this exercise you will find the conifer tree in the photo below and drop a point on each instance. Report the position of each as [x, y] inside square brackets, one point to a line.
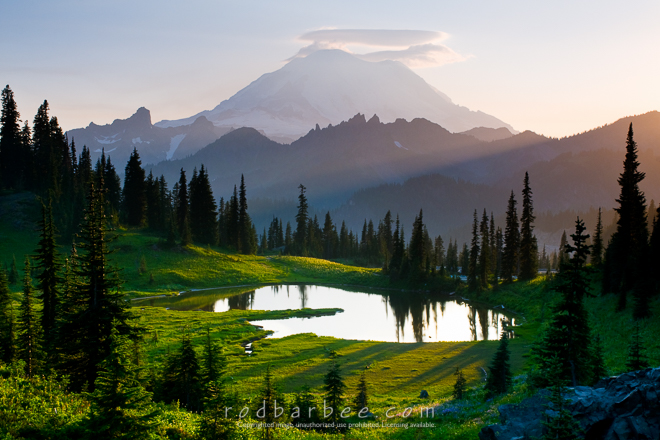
[559, 423]
[636, 357]
[472, 274]
[626, 255]
[499, 380]
[499, 250]
[213, 424]
[528, 247]
[362, 398]
[183, 209]
[305, 403]
[329, 237]
[511, 248]
[134, 198]
[28, 329]
[12, 150]
[417, 251]
[563, 254]
[459, 385]
[96, 300]
[568, 336]
[301, 222]
[334, 391]
[48, 262]
[485, 254]
[247, 239]
[120, 406]
[288, 239]
[597, 246]
[213, 363]
[7, 348]
[187, 386]
[267, 404]
[464, 258]
[203, 222]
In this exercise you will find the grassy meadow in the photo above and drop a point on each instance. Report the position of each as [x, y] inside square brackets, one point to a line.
[396, 373]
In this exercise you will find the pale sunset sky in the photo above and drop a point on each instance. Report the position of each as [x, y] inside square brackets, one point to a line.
[556, 68]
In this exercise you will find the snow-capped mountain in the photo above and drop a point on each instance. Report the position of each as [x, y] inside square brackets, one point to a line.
[330, 86]
[154, 144]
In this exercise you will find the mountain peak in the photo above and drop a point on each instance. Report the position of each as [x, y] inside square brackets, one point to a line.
[142, 118]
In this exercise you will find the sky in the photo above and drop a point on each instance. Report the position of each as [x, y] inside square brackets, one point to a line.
[556, 68]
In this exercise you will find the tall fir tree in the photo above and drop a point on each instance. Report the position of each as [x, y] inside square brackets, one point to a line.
[203, 217]
[134, 198]
[13, 153]
[301, 223]
[247, 240]
[49, 266]
[597, 246]
[120, 406]
[528, 247]
[636, 359]
[500, 379]
[267, 404]
[568, 336]
[485, 254]
[29, 336]
[473, 268]
[96, 301]
[510, 252]
[183, 210]
[559, 422]
[334, 392]
[627, 254]
[417, 252]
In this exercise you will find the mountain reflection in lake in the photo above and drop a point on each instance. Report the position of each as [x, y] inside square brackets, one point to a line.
[375, 315]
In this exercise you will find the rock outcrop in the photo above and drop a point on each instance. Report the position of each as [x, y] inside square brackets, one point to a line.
[617, 408]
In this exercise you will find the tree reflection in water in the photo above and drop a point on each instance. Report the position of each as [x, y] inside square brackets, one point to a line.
[407, 316]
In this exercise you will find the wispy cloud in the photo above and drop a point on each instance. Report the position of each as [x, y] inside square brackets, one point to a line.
[414, 48]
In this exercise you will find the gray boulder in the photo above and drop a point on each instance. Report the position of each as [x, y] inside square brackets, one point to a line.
[616, 408]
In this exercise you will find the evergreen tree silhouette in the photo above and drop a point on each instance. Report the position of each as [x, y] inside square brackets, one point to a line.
[134, 198]
[120, 406]
[459, 385]
[528, 246]
[511, 248]
[627, 254]
[29, 336]
[301, 223]
[334, 391]
[473, 268]
[568, 336]
[636, 357]
[49, 264]
[597, 246]
[499, 380]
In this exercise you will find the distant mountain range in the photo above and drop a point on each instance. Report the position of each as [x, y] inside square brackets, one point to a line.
[155, 144]
[359, 169]
[331, 86]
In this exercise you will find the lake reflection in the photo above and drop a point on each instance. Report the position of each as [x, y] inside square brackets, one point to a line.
[382, 316]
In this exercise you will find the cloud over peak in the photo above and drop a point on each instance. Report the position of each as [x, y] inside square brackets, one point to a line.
[414, 48]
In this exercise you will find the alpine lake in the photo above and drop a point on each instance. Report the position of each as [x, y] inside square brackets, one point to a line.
[364, 314]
